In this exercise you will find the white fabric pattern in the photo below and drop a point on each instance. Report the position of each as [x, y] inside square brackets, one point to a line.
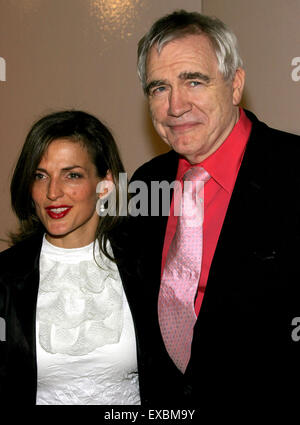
[86, 346]
[80, 307]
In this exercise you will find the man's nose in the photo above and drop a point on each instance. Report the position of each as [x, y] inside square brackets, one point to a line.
[55, 189]
[179, 103]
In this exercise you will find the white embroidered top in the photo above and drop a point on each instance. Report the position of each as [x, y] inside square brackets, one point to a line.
[85, 339]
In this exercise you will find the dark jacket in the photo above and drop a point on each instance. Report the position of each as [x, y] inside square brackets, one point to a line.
[19, 282]
[242, 338]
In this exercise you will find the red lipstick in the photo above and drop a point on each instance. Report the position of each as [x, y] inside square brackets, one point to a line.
[58, 211]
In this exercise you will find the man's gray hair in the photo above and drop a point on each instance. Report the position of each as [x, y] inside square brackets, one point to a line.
[181, 23]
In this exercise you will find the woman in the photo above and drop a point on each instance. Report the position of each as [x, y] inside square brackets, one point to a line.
[70, 336]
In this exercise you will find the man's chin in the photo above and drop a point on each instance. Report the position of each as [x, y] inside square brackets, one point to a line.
[186, 151]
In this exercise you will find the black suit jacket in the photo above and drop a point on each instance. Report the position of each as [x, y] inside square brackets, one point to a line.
[242, 338]
[19, 281]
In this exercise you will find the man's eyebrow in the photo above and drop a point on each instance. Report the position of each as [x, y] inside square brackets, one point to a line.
[155, 83]
[182, 76]
[194, 76]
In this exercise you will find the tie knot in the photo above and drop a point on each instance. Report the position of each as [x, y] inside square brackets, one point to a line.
[196, 174]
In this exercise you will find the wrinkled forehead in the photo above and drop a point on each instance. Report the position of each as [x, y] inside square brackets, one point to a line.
[178, 35]
[188, 48]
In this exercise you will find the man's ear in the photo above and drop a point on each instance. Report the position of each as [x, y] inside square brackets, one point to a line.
[238, 86]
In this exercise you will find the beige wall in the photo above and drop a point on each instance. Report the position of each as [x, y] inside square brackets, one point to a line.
[269, 37]
[75, 54]
[82, 54]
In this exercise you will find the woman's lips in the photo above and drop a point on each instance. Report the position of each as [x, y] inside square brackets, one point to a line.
[58, 212]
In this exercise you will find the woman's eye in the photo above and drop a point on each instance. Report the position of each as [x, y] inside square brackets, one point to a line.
[74, 175]
[39, 176]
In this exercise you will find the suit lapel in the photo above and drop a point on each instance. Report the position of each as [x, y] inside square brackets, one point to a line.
[244, 233]
[24, 285]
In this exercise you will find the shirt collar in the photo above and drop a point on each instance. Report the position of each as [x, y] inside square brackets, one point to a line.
[230, 153]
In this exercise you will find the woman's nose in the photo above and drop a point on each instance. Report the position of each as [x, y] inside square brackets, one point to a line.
[54, 190]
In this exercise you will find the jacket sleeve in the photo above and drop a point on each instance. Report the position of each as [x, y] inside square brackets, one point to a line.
[3, 343]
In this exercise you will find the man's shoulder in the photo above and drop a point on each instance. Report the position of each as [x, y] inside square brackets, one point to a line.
[269, 149]
[162, 166]
[275, 137]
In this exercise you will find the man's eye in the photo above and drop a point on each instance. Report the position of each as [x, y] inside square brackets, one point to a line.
[195, 83]
[158, 90]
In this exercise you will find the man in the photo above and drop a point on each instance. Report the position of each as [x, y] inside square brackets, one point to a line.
[243, 275]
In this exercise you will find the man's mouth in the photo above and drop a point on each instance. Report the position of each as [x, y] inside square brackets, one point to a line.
[183, 126]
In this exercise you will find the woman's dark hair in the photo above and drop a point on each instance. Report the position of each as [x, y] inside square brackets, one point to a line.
[79, 127]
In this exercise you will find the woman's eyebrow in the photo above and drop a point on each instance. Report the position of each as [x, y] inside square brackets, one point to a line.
[71, 167]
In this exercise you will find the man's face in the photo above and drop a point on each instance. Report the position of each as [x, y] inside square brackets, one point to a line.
[193, 109]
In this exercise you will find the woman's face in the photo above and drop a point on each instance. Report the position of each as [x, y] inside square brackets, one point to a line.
[64, 194]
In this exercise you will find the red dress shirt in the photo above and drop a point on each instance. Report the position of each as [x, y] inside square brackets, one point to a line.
[223, 166]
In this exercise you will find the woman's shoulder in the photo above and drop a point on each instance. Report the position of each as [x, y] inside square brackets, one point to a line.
[21, 253]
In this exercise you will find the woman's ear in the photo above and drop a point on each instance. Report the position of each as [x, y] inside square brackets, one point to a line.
[105, 186]
[109, 176]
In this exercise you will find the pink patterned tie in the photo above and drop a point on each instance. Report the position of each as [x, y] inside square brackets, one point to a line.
[181, 273]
